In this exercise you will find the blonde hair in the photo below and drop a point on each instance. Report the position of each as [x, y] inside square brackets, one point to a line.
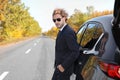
[62, 12]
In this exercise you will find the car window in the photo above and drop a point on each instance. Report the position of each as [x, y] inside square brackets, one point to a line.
[101, 44]
[87, 39]
[99, 32]
[91, 35]
[80, 33]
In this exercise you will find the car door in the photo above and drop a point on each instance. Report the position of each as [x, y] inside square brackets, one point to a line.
[89, 37]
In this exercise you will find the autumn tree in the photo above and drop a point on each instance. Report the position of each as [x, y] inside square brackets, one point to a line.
[77, 19]
[17, 22]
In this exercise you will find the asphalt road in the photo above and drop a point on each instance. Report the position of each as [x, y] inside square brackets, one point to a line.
[28, 60]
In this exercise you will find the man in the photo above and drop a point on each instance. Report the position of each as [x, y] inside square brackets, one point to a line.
[66, 49]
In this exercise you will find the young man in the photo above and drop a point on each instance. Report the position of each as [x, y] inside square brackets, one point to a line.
[66, 49]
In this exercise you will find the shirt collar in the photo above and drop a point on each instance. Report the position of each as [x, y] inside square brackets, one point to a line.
[63, 27]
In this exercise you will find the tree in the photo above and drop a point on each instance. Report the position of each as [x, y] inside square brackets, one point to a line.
[90, 9]
[77, 19]
[17, 23]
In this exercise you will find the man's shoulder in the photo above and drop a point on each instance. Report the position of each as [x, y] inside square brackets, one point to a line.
[68, 29]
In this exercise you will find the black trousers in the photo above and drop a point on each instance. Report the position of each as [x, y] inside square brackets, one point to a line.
[79, 64]
[79, 77]
[78, 73]
[61, 75]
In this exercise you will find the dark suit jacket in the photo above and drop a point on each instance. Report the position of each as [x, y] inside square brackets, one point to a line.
[66, 49]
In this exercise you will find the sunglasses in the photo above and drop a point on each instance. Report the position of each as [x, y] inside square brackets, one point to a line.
[58, 19]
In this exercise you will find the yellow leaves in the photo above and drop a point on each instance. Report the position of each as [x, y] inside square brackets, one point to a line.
[2, 18]
[3, 5]
[52, 32]
[14, 34]
[16, 21]
[98, 13]
[15, 1]
[54, 28]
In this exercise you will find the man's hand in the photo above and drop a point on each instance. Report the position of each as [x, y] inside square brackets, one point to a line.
[60, 68]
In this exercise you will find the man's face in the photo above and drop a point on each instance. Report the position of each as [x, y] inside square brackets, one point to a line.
[58, 20]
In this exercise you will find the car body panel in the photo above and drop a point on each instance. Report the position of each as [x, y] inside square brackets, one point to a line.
[102, 50]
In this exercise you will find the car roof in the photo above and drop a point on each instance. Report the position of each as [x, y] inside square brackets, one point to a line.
[105, 20]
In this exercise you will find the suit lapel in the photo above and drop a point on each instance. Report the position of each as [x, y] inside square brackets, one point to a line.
[61, 32]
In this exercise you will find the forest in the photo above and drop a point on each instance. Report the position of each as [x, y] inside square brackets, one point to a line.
[16, 22]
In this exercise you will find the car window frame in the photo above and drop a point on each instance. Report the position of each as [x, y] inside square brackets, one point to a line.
[97, 24]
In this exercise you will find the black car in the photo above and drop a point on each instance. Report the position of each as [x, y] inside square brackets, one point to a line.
[100, 54]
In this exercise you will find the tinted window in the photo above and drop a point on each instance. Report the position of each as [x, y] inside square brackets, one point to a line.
[86, 41]
[101, 45]
[99, 32]
[80, 33]
[91, 35]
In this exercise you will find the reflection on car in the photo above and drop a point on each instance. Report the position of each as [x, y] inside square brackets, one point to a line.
[102, 44]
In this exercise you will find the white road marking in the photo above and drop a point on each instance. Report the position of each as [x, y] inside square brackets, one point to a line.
[27, 51]
[3, 75]
[38, 41]
[35, 44]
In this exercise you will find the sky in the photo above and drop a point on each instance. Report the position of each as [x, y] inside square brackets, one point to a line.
[42, 10]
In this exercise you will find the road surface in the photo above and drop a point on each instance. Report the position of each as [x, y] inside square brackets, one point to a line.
[28, 60]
